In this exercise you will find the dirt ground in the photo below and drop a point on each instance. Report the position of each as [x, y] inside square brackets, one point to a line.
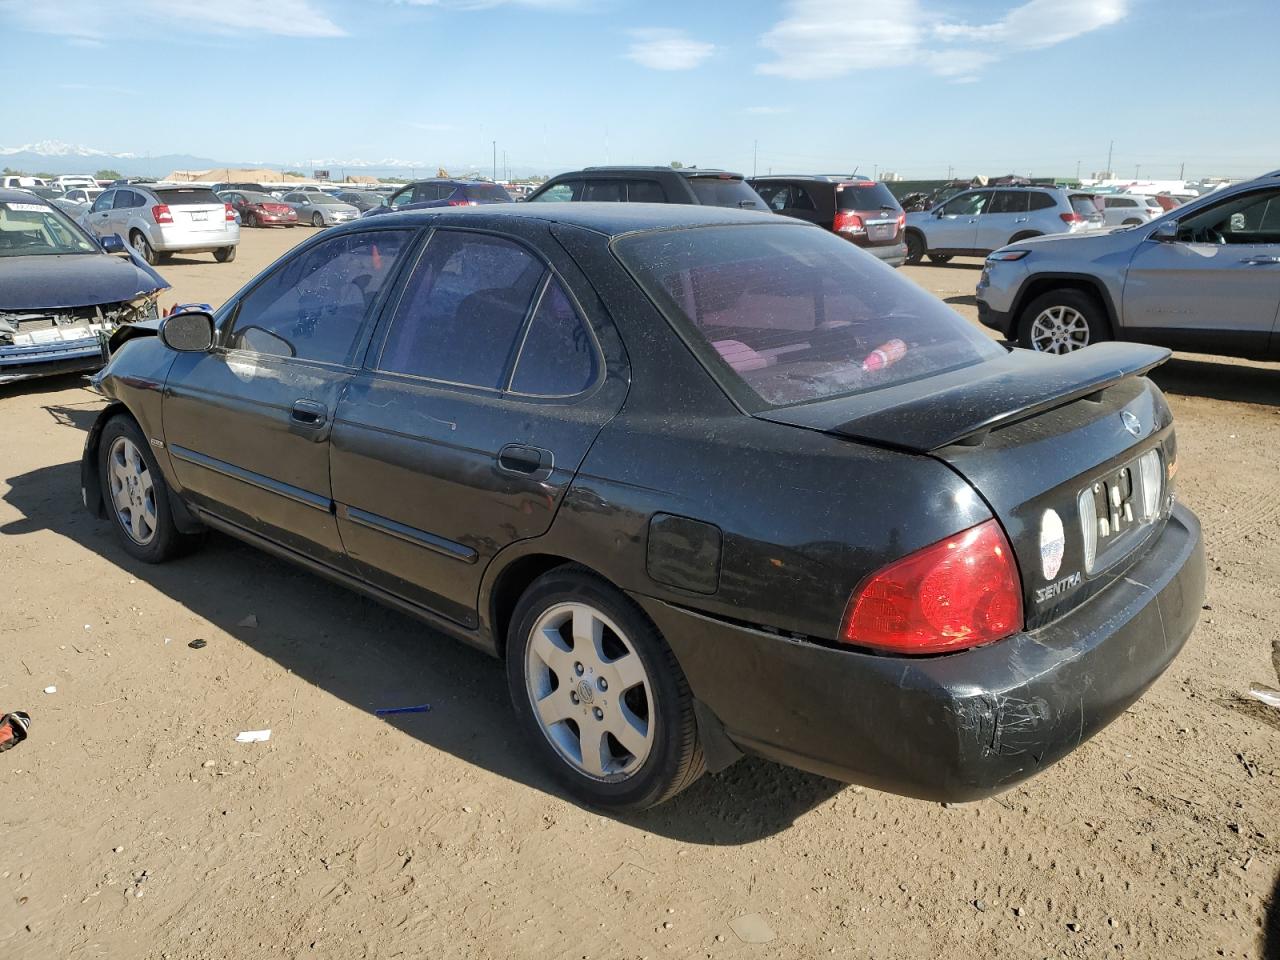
[133, 826]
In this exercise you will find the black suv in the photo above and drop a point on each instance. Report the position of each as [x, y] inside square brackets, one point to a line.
[860, 210]
[713, 188]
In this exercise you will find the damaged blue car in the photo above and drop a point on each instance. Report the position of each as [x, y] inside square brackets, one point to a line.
[63, 293]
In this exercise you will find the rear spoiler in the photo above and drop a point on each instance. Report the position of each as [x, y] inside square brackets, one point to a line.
[963, 406]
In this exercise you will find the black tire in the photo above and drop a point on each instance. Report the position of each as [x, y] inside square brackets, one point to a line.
[1131, 223]
[139, 242]
[167, 541]
[224, 254]
[317, 220]
[915, 247]
[674, 759]
[1085, 304]
[1024, 236]
[939, 258]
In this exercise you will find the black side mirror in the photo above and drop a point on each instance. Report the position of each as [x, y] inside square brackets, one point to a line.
[1167, 232]
[188, 332]
[111, 244]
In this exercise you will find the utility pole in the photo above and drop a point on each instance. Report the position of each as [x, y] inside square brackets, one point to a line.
[1137, 169]
[1109, 150]
[506, 171]
[950, 170]
[1077, 169]
[875, 171]
[1182, 171]
[755, 155]
[495, 161]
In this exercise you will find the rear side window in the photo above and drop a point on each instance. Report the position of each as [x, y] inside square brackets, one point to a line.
[646, 191]
[124, 200]
[312, 307]
[725, 192]
[1086, 206]
[864, 196]
[1041, 201]
[487, 193]
[558, 358]
[604, 191]
[777, 196]
[462, 310]
[786, 314]
[181, 195]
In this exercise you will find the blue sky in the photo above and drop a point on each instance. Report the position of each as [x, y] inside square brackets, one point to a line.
[915, 86]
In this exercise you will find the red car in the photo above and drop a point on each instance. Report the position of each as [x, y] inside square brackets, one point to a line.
[260, 209]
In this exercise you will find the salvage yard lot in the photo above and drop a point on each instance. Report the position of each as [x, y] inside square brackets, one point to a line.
[134, 825]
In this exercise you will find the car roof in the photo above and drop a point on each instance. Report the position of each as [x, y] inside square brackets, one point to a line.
[681, 171]
[609, 219]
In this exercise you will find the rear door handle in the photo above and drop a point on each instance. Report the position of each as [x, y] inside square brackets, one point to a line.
[519, 458]
[309, 413]
[1260, 261]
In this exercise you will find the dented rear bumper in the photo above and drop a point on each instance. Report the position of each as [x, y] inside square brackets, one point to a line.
[956, 727]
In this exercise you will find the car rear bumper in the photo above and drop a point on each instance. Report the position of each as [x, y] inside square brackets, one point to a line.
[177, 240]
[956, 727]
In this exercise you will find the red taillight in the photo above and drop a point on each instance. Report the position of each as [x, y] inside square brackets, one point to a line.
[958, 593]
[902, 220]
[1071, 218]
[849, 222]
[463, 203]
[160, 214]
[231, 213]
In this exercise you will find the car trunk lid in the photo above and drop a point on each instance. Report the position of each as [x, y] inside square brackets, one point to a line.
[1053, 445]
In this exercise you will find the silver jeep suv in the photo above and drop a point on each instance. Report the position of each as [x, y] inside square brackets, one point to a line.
[1204, 277]
[973, 223]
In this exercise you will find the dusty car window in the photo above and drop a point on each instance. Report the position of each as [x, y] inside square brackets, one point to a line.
[462, 309]
[312, 307]
[794, 314]
[36, 229]
[558, 358]
[561, 192]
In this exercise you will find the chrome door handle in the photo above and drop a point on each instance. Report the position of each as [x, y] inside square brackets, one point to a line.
[308, 413]
[1021, 220]
[1260, 261]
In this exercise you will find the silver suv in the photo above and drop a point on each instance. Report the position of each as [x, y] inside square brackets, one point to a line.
[160, 220]
[1204, 277]
[973, 223]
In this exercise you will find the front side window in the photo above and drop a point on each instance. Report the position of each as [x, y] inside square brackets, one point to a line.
[786, 314]
[604, 191]
[462, 309]
[722, 191]
[1244, 218]
[966, 205]
[103, 202]
[560, 193]
[558, 358]
[312, 308]
[401, 197]
[646, 191]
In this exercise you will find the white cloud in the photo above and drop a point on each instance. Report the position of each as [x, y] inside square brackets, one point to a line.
[87, 22]
[822, 39]
[666, 49]
[489, 4]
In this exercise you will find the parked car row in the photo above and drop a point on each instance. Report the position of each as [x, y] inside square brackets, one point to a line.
[159, 221]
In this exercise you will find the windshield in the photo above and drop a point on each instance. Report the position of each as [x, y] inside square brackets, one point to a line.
[258, 197]
[324, 198]
[792, 313]
[37, 229]
[865, 196]
[726, 192]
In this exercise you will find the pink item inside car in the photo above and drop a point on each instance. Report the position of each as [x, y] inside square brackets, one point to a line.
[741, 357]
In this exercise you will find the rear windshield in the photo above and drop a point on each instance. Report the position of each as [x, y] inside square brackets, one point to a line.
[785, 314]
[175, 196]
[864, 196]
[1086, 206]
[727, 192]
[490, 192]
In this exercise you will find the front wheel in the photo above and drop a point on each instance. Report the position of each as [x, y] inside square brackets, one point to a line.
[136, 495]
[915, 248]
[600, 693]
[1063, 321]
[224, 254]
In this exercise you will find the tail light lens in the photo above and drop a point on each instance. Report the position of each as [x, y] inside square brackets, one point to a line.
[902, 221]
[849, 222]
[957, 593]
[160, 213]
[1071, 218]
[463, 203]
[231, 213]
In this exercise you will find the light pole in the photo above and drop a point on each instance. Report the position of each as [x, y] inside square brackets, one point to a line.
[1109, 150]
[495, 161]
[755, 155]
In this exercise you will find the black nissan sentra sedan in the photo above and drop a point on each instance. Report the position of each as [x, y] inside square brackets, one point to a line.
[709, 482]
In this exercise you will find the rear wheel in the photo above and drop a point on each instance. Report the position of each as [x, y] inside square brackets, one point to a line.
[915, 247]
[1063, 321]
[600, 693]
[317, 220]
[224, 254]
[939, 258]
[136, 496]
[138, 240]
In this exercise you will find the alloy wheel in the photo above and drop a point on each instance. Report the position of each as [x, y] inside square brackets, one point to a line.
[1059, 330]
[132, 491]
[590, 692]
